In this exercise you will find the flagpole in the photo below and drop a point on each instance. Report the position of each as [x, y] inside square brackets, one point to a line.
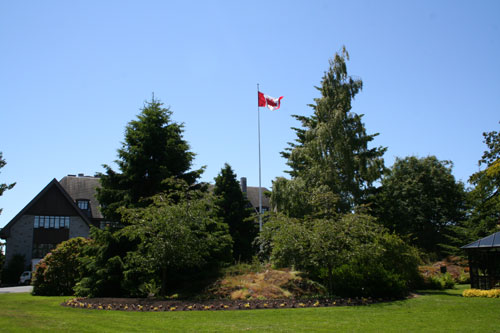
[260, 172]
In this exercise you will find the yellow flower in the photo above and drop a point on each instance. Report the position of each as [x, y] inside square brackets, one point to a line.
[190, 307]
[302, 305]
[247, 305]
[100, 307]
[316, 304]
[173, 308]
[126, 307]
[226, 306]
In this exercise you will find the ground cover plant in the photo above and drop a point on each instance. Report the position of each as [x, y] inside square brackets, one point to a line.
[433, 311]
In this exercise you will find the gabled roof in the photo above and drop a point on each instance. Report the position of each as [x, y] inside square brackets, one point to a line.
[83, 187]
[492, 240]
[4, 233]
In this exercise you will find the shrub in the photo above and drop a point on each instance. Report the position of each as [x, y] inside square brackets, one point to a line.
[439, 282]
[351, 255]
[59, 271]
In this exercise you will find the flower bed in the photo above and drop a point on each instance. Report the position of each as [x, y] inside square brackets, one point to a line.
[492, 293]
[141, 304]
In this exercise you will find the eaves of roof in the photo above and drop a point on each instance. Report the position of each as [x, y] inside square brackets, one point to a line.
[4, 233]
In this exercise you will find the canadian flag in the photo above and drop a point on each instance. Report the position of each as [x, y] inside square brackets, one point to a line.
[271, 102]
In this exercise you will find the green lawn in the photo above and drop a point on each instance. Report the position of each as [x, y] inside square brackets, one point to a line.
[433, 311]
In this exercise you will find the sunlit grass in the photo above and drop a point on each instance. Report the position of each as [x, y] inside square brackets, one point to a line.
[433, 311]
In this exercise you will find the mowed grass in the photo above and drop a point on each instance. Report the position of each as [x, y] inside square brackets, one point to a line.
[433, 311]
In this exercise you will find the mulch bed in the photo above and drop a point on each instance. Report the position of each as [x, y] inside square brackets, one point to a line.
[145, 304]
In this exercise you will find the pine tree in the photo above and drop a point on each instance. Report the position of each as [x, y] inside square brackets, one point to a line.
[331, 150]
[234, 210]
[152, 152]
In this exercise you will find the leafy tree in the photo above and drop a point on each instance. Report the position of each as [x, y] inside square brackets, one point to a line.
[420, 199]
[4, 187]
[152, 152]
[59, 271]
[235, 212]
[485, 196]
[352, 247]
[178, 231]
[331, 149]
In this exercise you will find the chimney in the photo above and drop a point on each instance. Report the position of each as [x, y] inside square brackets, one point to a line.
[81, 175]
[243, 184]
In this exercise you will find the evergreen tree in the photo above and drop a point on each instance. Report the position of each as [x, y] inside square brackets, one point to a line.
[4, 187]
[152, 152]
[331, 150]
[234, 210]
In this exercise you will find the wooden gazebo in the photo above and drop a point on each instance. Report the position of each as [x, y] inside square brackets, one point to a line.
[484, 262]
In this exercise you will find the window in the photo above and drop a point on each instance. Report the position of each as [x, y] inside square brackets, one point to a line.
[51, 222]
[83, 204]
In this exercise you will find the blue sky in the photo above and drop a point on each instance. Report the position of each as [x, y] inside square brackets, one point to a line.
[74, 73]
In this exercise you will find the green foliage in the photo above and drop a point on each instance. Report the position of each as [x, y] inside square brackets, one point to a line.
[15, 267]
[235, 212]
[439, 282]
[153, 151]
[178, 231]
[103, 265]
[4, 187]
[485, 196]
[421, 200]
[351, 248]
[59, 271]
[331, 151]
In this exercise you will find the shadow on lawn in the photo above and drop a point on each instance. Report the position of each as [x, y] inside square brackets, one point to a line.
[439, 292]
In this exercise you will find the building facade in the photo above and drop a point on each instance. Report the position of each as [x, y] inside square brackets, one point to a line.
[62, 210]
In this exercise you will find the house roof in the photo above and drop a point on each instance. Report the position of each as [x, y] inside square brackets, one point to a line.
[490, 241]
[253, 196]
[83, 187]
[4, 233]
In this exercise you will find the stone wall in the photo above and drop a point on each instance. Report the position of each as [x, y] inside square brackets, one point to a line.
[78, 227]
[20, 240]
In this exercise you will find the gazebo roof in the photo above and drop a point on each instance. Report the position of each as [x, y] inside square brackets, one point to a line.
[492, 240]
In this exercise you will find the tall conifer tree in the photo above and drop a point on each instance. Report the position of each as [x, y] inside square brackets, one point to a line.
[234, 210]
[152, 152]
[331, 151]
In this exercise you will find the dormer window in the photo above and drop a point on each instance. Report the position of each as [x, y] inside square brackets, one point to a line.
[84, 205]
